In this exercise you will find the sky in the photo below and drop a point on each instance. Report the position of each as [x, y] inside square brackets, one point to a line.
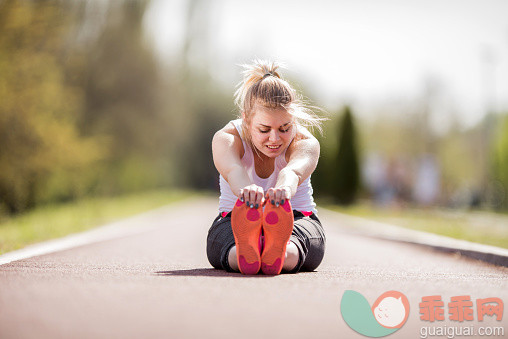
[367, 53]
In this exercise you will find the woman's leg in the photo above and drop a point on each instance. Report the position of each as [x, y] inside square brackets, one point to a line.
[219, 241]
[306, 248]
[233, 262]
[291, 259]
[308, 235]
[246, 223]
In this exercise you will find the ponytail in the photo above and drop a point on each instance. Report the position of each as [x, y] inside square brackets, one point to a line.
[263, 85]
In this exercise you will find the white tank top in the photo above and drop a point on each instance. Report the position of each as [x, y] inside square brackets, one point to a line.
[302, 201]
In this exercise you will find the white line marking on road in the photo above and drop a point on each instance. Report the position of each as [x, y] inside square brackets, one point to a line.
[391, 232]
[125, 227]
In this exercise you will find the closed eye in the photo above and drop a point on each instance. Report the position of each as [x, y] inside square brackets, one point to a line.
[281, 130]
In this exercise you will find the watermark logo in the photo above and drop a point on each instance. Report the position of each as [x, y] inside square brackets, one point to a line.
[388, 313]
[460, 310]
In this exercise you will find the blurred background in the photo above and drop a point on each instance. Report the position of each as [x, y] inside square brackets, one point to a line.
[104, 98]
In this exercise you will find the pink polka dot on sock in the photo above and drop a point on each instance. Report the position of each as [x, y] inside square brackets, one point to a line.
[272, 218]
[253, 214]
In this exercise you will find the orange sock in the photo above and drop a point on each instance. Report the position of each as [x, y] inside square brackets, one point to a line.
[246, 225]
[277, 227]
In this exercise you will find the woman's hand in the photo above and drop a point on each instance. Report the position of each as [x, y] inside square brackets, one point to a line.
[252, 195]
[278, 195]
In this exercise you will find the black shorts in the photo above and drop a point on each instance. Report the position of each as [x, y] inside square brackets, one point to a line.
[308, 235]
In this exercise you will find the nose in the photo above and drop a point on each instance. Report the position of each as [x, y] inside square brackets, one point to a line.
[274, 135]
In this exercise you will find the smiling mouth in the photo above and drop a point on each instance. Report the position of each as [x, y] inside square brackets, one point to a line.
[273, 147]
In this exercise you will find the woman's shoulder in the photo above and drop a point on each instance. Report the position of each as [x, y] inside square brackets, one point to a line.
[302, 134]
[230, 129]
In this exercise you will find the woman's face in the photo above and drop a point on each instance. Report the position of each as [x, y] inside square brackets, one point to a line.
[271, 129]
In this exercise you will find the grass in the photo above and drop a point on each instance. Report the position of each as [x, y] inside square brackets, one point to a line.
[477, 226]
[53, 221]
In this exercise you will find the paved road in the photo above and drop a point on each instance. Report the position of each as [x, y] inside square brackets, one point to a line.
[158, 284]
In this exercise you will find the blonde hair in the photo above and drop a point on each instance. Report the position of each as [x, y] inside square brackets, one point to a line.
[262, 84]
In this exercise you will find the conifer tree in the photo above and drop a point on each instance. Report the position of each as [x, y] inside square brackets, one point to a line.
[346, 176]
[500, 166]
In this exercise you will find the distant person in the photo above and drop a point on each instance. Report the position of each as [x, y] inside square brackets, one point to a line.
[267, 218]
[427, 185]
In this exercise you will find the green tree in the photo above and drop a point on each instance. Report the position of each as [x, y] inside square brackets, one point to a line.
[346, 175]
[120, 77]
[38, 111]
[500, 165]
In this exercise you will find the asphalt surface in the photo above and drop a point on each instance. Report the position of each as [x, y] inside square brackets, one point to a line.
[159, 284]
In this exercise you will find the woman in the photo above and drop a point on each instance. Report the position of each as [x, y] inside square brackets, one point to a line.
[267, 216]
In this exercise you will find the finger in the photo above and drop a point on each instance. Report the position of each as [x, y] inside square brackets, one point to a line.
[286, 195]
[252, 197]
[271, 196]
[246, 195]
[278, 196]
[240, 196]
[266, 197]
[259, 197]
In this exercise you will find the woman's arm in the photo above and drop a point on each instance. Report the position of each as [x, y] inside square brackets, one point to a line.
[303, 156]
[227, 150]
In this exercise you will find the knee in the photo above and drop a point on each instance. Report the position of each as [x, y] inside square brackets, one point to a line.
[232, 261]
[315, 255]
[291, 258]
